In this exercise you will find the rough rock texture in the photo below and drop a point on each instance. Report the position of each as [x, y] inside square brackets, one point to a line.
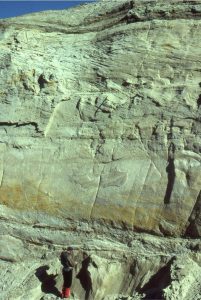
[100, 143]
[100, 109]
[130, 264]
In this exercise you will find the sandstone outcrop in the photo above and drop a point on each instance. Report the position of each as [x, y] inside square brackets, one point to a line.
[100, 142]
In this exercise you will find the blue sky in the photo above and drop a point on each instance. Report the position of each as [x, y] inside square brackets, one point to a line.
[16, 8]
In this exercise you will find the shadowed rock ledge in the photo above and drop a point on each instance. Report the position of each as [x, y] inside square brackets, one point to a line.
[100, 143]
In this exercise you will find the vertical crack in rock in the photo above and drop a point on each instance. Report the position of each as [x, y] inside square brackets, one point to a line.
[140, 138]
[1, 179]
[199, 101]
[199, 98]
[170, 174]
[95, 198]
[170, 167]
[78, 107]
[23, 182]
[2, 171]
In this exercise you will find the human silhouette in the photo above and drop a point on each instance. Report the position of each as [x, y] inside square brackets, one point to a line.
[84, 275]
[48, 282]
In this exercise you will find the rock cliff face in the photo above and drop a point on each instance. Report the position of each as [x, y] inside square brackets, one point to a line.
[100, 141]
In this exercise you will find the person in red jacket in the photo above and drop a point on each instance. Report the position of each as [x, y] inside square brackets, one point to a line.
[68, 263]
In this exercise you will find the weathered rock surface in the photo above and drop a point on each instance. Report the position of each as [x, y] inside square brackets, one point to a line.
[100, 144]
[128, 264]
[100, 109]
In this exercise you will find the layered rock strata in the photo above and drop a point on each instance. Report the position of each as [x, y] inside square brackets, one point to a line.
[100, 109]
[128, 265]
[100, 126]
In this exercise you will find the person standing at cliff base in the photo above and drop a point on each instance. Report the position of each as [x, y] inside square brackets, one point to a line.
[68, 263]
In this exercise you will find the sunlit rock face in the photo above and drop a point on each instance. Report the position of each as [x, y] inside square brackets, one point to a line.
[100, 140]
[100, 113]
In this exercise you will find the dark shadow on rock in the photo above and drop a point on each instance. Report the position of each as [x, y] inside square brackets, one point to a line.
[48, 282]
[199, 101]
[85, 277]
[194, 220]
[159, 281]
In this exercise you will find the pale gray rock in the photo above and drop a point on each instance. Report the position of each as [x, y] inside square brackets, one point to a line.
[185, 276]
[127, 262]
[100, 142]
[11, 249]
[101, 109]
